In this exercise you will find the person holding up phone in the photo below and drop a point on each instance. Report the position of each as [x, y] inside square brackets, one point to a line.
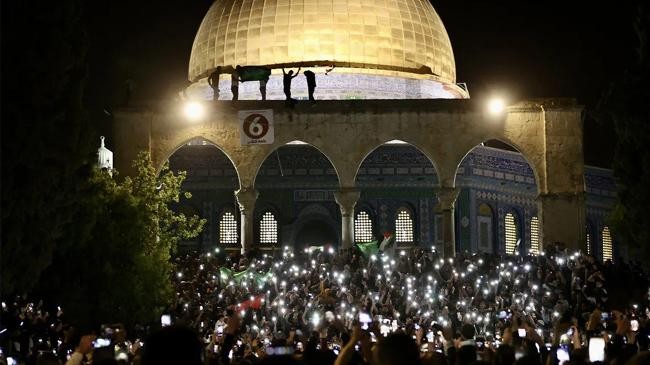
[82, 351]
[465, 352]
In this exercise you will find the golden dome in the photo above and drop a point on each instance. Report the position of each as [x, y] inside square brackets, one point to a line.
[395, 35]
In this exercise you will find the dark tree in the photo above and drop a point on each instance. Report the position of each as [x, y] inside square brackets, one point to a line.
[626, 105]
[46, 150]
[117, 266]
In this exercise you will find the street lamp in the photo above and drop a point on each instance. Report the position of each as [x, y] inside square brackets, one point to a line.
[193, 110]
[496, 106]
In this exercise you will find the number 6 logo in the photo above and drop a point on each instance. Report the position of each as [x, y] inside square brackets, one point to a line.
[256, 126]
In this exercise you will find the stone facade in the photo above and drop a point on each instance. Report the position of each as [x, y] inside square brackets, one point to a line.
[548, 133]
[298, 183]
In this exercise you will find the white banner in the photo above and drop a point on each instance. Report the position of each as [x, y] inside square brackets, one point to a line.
[256, 127]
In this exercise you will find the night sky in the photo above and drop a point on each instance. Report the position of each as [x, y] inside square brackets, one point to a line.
[520, 49]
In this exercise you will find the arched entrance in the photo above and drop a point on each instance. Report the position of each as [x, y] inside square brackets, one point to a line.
[397, 182]
[496, 207]
[299, 181]
[211, 179]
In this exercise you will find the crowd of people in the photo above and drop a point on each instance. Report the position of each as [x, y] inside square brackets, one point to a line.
[324, 306]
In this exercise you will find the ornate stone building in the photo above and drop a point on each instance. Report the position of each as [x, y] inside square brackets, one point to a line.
[296, 203]
[392, 142]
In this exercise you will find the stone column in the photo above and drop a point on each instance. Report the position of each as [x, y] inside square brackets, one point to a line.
[347, 199]
[562, 219]
[246, 199]
[446, 200]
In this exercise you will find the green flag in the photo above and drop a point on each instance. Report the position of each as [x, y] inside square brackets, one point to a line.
[254, 73]
[368, 249]
[225, 274]
[263, 278]
[239, 276]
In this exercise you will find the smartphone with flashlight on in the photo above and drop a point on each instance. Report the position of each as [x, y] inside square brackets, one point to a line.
[364, 319]
[165, 320]
[596, 349]
[562, 354]
[521, 332]
[101, 342]
[480, 344]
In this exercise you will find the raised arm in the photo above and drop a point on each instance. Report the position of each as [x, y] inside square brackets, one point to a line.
[348, 350]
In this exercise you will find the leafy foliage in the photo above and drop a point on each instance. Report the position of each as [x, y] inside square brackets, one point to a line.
[118, 267]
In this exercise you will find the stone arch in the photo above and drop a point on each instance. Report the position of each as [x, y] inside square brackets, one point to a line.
[508, 142]
[259, 164]
[376, 147]
[168, 154]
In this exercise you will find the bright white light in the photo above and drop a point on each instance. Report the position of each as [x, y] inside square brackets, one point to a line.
[496, 106]
[193, 110]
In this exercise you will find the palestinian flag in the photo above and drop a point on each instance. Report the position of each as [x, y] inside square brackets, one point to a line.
[388, 242]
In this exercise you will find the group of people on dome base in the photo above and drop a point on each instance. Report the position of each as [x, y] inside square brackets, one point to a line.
[319, 305]
[261, 73]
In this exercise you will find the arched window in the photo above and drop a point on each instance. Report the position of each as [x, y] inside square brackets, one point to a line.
[362, 227]
[403, 226]
[534, 236]
[607, 244]
[228, 229]
[510, 224]
[268, 229]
